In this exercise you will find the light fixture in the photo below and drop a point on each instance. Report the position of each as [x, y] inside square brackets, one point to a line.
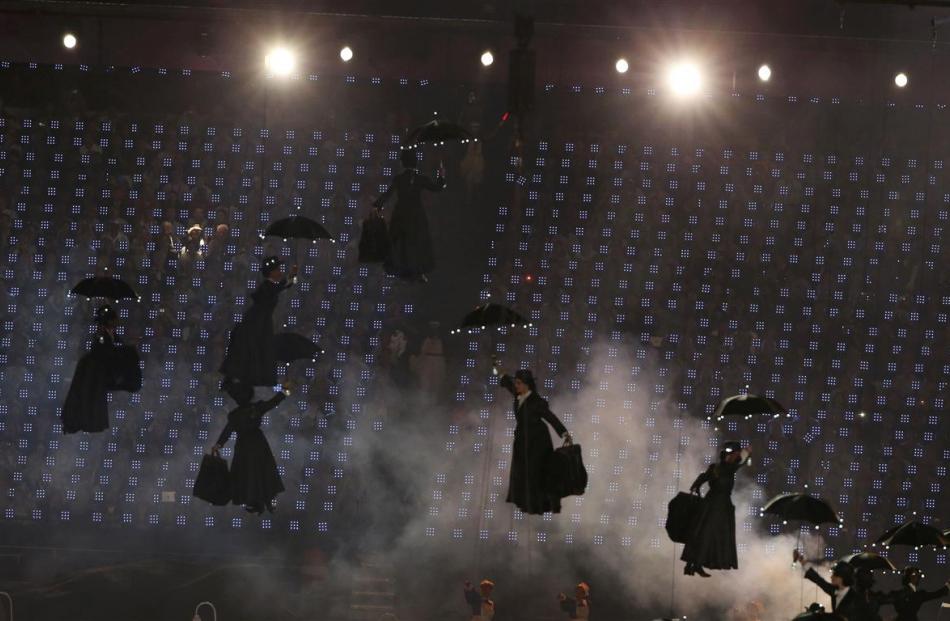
[487, 58]
[346, 54]
[900, 80]
[684, 79]
[622, 65]
[69, 40]
[765, 73]
[280, 61]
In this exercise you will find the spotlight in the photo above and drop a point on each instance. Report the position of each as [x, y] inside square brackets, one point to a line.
[69, 40]
[346, 54]
[765, 72]
[280, 61]
[622, 65]
[684, 79]
[900, 80]
[487, 58]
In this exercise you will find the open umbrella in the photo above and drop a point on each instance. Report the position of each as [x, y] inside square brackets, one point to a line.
[747, 406]
[289, 346]
[105, 287]
[869, 560]
[802, 507]
[298, 227]
[438, 131]
[491, 314]
[913, 534]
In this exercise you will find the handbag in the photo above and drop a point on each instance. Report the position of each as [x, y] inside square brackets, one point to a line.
[213, 483]
[681, 516]
[374, 239]
[566, 474]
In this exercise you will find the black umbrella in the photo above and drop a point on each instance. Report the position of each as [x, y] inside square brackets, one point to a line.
[913, 534]
[870, 560]
[105, 287]
[438, 131]
[802, 507]
[298, 227]
[491, 314]
[748, 406]
[289, 346]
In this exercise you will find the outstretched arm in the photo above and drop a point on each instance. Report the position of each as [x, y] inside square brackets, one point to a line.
[926, 596]
[261, 407]
[823, 584]
[436, 186]
[472, 598]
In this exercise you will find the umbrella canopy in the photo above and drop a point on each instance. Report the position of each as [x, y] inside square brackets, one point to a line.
[802, 507]
[869, 560]
[747, 405]
[289, 346]
[105, 287]
[438, 131]
[913, 534]
[298, 227]
[491, 314]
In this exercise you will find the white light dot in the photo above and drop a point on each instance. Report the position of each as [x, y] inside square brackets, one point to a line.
[280, 61]
[69, 41]
[487, 58]
[622, 65]
[900, 80]
[346, 54]
[765, 73]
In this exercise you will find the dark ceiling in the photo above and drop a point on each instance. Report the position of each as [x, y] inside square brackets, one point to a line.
[900, 19]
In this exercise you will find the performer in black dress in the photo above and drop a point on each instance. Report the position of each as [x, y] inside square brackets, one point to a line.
[532, 446]
[251, 356]
[712, 543]
[577, 607]
[255, 481]
[108, 365]
[480, 602]
[908, 600]
[845, 600]
[410, 255]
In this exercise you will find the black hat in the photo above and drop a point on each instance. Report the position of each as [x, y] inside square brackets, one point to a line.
[409, 158]
[845, 571]
[105, 314]
[241, 392]
[729, 448]
[270, 264]
[909, 573]
[525, 376]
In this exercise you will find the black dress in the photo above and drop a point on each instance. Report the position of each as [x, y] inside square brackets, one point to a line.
[410, 253]
[108, 365]
[251, 356]
[907, 601]
[255, 481]
[712, 543]
[531, 453]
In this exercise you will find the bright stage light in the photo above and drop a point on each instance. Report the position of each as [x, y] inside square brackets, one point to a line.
[280, 61]
[346, 54]
[622, 65]
[684, 79]
[69, 40]
[487, 58]
[900, 80]
[765, 73]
